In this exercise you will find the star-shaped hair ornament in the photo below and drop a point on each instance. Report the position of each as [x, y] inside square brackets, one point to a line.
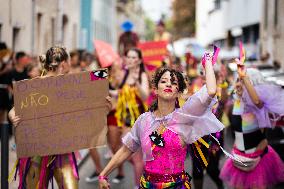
[157, 139]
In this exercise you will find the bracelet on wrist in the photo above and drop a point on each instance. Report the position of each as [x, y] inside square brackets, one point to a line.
[103, 178]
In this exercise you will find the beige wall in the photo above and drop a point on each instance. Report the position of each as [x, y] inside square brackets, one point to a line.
[43, 26]
[18, 13]
[72, 10]
[272, 37]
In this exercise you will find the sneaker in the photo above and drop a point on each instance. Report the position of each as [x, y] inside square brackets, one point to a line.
[94, 177]
[117, 179]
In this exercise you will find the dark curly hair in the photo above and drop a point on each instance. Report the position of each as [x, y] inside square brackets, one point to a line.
[156, 78]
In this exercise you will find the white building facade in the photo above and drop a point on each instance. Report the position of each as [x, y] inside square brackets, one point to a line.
[272, 30]
[35, 25]
[104, 18]
[226, 22]
[98, 21]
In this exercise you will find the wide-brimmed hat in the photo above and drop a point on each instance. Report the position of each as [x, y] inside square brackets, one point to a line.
[4, 51]
[127, 26]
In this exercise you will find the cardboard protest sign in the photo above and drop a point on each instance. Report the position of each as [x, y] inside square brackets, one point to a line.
[61, 114]
[153, 53]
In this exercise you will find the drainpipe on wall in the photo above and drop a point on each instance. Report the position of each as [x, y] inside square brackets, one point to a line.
[59, 28]
[33, 28]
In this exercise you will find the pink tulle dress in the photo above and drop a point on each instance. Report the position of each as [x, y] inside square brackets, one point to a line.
[269, 169]
[165, 154]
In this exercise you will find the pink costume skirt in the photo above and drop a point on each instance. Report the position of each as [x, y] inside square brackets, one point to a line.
[269, 171]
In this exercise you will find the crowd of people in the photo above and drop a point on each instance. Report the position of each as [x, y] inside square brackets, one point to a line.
[156, 120]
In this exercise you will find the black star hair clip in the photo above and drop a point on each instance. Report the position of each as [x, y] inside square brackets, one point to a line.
[157, 139]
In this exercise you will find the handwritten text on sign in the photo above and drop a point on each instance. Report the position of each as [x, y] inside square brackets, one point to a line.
[60, 114]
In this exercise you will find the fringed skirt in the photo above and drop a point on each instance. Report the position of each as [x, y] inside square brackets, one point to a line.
[36, 172]
[161, 181]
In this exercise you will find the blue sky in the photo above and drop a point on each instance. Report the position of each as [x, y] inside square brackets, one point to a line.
[155, 8]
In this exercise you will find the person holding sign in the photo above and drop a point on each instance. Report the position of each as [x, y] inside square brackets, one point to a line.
[37, 171]
[257, 105]
[163, 132]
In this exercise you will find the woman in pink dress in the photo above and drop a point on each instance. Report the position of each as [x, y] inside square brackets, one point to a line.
[163, 132]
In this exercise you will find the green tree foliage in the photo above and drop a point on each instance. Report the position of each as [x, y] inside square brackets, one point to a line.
[183, 18]
[150, 29]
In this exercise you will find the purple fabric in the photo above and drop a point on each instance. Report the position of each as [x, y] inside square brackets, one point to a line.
[273, 98]
[192, 121]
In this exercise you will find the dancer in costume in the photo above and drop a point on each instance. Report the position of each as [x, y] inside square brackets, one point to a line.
[36, 172]
[132, 91]
[257, 105]
[163, 132]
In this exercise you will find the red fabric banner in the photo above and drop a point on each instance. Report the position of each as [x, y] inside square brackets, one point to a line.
[153, 53]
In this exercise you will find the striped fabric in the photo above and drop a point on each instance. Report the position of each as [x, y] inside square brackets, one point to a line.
[247, 131]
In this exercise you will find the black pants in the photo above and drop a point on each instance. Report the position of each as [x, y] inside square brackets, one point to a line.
[212, 168]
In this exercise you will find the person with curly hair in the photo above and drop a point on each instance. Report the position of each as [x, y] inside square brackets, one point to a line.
[165, 130]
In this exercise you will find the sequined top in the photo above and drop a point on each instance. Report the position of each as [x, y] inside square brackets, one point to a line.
[170, 158]
[247, 133]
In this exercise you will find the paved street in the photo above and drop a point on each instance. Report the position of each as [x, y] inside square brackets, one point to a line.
[128, 183]
[87, 168]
